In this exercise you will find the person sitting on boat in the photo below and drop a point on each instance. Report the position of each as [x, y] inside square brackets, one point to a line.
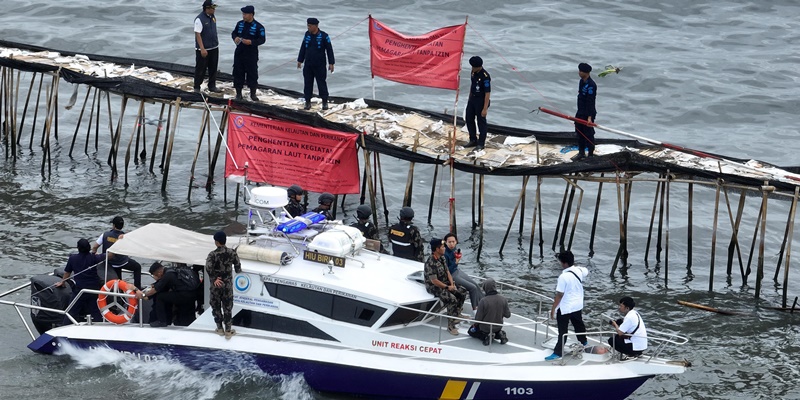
[631, 337]
[220, 265]
[118, 262]
[295, 208]
[492, 308]
[439, 283]
[568, 304]
[405, 237]
[81, 268]
[325, 200]
[452, 256]
[171, 290]
[369, 230]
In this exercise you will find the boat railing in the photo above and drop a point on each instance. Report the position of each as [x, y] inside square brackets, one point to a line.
[18, 306]
[663, 339]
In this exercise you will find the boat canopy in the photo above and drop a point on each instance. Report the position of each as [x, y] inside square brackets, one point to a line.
[165, 242]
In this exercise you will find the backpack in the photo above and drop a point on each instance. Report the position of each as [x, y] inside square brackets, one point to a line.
[187, 279]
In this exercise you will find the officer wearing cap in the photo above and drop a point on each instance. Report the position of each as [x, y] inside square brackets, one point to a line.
[405, 237]
[325, 201]
[315, 46]
[440, 283]
[206, 45]
[587, 94]
[248, 34]
[370, 231]
[118, 262]
[478, 104]
[295, 207]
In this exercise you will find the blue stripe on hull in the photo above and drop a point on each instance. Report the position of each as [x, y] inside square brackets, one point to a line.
[326, 377]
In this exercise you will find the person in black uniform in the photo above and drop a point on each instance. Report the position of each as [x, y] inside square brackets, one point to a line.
[169, 291]
[587, 93]
[370, 231]
[206, 44]
[295, 207]
[248, 35]
[316, 44]
[405, 237]
[325, 201]
[81, 268]
[478, 103]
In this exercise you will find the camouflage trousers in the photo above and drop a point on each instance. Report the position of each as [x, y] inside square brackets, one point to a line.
[222, 305]
[453, 301]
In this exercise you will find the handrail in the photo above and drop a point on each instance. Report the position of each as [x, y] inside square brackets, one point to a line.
[680, 340]
[16, 289]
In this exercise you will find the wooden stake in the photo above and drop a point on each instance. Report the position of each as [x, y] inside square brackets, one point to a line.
[689, 228]
[169, 150]
[80, 118]
[96, 103]
[766, 189]
[522, 204]
[25, 108]
[714, 240]
[567, 212]
[203, 127]
[480, 217]
[660, 218]
[594, 219]
[217, 147]
[383, 191]
[158, 135]
[115, 136]
[666, 233]
[621, 226]
[789, 221]
[410, 182]
[433, 188]
[520, 199]
[560, 217]
[533, 223]
[789, 248]
[734, 245]
[36, 112]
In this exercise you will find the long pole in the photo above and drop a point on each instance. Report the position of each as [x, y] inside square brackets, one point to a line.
[594, 219]
[789, 247]
[714, 240]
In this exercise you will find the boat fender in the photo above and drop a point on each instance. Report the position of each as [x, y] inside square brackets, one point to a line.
[117, 304]
[256, 253]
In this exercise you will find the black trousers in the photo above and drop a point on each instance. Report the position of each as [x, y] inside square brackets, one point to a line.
[618, 343]
[201, 64]
[310, 73]
[182, 301]
[86, 304]
[245, 69]
[474, 109]
[563, 321]
[585, 135]
[134, 267]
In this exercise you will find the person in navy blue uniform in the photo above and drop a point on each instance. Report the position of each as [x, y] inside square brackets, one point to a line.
[478, 104]
[587, 93]
[248, 35]
[316, 45]
[118, 262]
[206, 44]
[81, 268]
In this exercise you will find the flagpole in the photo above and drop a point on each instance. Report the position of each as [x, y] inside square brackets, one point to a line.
[453, 225]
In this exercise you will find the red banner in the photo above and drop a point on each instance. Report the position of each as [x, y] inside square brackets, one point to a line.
[285, 153]
[433, 59]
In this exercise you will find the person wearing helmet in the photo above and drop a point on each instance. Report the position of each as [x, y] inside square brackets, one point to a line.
[405, 237]
[295, 208]
[325, 201]
[370, 231]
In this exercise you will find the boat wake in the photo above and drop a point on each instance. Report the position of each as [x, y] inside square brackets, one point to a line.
[170, 379]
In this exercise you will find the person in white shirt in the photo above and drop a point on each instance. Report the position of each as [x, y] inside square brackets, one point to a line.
[631, 337]
[568, 304]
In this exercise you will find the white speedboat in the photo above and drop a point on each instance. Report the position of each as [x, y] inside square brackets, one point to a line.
[354, 321]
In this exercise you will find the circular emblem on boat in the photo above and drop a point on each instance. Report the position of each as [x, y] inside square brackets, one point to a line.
[242, 283]
[238, 121]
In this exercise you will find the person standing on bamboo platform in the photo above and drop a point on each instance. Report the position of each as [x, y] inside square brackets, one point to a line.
[478, 103]
[220, 265]
[206, 45]
[248, 35]
[315, 46]
[587, 94]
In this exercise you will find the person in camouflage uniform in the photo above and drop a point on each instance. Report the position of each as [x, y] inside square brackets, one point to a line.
[218, 269]
[439, 283]
[405, 237]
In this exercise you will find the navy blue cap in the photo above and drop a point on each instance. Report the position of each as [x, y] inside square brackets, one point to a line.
[248, 10]
[584, 67]
[312, 21]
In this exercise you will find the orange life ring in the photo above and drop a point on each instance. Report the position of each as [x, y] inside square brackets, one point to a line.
[125, 306]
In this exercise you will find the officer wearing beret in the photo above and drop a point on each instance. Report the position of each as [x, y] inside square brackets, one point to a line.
[313, 50]
[248, 34]
[587, 93]
[478, 103]
[440, 283]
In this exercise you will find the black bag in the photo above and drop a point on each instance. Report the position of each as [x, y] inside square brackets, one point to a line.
[187, 279]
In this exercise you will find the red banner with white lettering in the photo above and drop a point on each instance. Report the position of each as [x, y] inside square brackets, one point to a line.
[433, 59]
[285, 153]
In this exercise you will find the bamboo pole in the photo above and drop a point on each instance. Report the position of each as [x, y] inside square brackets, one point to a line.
[36, 112]
[474, 194]
[567, 213]
[51, 112]
[652, 221]
[48, 109]
[689, 227]
[621, 226]
[169, 150]
[480, 216]
[25, 108]
[217, 147]
[80, 119]
[783, 243]
[594, 218]
[410, 181]
[522, 204]
[368, 178]
[383, 191]
[433, 189]
[533, 223]
[95, 102]
[98, 95]
[752, 246]
[115, 136]
[203, 128]
[660, 218]
[714, 240]
[158, 136]
[137, 124]
[520, 199]
[560, 216]
[166, 141]
[734, 245]
[4, 109]
[14, 131]
[666, 233]
[766, 189]
[789, 249]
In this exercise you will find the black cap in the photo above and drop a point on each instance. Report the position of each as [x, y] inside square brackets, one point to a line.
[83, 246]
[221, 237]
[436, 243]
[476, 61]
[155, 267]
[209, 4]
[118, 222]
[584, 67]
[248, 10]
[312, 21]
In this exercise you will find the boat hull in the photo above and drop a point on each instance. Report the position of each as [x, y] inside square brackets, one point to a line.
[359, 381]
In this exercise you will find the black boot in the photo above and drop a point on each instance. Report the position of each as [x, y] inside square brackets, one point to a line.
[212, 87]
[253, 95]
[239, 94]
[307, 106]
[325, 104]
[472, 143]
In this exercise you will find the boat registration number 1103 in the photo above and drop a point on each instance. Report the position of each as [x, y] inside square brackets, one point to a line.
[518, 391]
[323, 258]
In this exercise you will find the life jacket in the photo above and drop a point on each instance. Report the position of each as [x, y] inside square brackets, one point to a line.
[110, 238]
[400, 236]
